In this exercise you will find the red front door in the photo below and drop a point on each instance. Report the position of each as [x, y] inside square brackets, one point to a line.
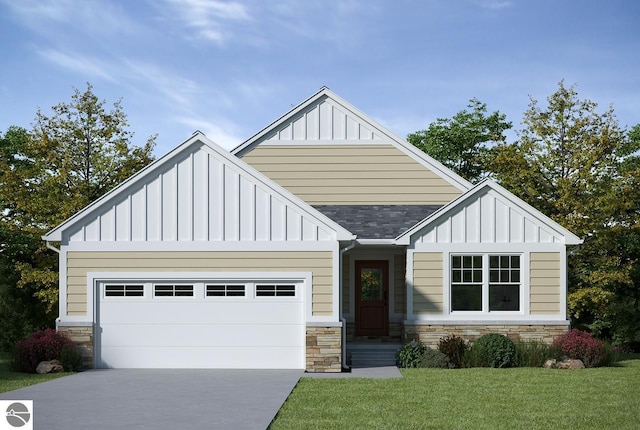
[372, 298]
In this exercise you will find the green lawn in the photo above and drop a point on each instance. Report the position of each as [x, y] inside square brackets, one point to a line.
[523, 398]
[13, 380]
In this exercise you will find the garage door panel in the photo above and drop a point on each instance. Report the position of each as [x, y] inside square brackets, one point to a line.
[265, 332]
[201, 312]
[202, 336]
[202, 357]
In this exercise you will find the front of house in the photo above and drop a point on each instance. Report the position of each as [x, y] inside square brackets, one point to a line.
[322, 229]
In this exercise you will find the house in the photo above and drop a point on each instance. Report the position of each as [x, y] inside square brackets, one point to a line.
[321, 229]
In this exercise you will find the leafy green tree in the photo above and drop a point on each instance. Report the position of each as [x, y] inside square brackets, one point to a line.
[462, 143]
[581, 168]
[70, 158]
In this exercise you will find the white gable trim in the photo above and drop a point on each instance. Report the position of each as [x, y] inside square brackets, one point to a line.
[199, 142]
[377, 130]
[559, 233]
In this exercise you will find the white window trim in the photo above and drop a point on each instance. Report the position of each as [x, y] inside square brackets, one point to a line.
[524, 288]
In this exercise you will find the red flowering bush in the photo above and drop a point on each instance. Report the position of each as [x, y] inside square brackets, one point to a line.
[42, 345]
[582, 346]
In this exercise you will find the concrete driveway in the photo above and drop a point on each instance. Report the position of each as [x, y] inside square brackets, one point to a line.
[159, 399]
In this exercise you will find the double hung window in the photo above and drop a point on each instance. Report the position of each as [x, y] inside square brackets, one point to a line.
[485, 283]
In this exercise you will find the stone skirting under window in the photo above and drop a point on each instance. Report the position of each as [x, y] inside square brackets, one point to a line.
[430, 334]
[324, 349]
[82, 336]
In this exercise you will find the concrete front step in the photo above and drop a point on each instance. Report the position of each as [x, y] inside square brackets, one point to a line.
[372, 354]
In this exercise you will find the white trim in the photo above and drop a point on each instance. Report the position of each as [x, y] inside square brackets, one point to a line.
[62, 283]
[321, 323]
[386, 242]
[540, 320]
[335, 291]
[175, 246]
[409, 281]
[488, 247]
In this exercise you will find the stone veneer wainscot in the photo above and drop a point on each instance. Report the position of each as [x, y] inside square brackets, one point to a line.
[324, 349]
[430, 334]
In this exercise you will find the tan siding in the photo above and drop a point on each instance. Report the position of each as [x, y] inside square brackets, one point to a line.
[348, 174]
[427, 282]
[545, 283]
[399, 284]
[319, 263]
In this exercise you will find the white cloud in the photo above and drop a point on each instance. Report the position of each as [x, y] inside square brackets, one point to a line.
[222, 135]
[209, 18]
[493, 4]
[87, 66]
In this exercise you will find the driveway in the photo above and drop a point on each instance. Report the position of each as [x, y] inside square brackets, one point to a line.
[159, 399]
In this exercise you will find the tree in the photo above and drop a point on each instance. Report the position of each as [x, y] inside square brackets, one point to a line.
[461, 143]
[581, 168]
[20, 312]
[69, 159]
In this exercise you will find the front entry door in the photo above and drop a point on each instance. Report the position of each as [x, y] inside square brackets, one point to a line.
[372, 298]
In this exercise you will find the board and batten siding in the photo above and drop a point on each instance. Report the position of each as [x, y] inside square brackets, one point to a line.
[428, 283]
[199, 197]
[317, 262]
[357, 173]
[545, 283]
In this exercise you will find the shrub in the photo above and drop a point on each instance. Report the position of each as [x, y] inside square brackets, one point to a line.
[493, 350]
[410, 354]
[454, 347]
[534, 353]
[432, 358]
[71, 359]
[42, 345]
[581, 345]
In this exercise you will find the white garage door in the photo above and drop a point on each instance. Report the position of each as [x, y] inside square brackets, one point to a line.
[206, 324]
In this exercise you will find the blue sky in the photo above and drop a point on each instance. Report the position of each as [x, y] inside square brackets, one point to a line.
[229, 68]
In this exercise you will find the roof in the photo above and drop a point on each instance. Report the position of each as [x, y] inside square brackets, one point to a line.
[377, 221]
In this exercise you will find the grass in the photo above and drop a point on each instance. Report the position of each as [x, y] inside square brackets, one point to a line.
[10, 380]
[477, 398]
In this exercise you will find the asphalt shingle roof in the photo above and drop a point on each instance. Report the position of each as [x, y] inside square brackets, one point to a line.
[377, 221]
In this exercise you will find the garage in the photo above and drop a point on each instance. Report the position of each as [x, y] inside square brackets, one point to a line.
[199, 323]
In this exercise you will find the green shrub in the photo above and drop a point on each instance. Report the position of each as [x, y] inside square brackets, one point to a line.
[410, 354]
[454, 347]
[534, 353]
[493, 350]
[432, 358]
[70, 359]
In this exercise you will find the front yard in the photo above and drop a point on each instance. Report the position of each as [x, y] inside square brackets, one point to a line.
[10, 381]
[478, 398]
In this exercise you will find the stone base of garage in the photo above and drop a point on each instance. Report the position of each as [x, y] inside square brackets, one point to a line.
[324, 348]
[430, 334]
[82, 335]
